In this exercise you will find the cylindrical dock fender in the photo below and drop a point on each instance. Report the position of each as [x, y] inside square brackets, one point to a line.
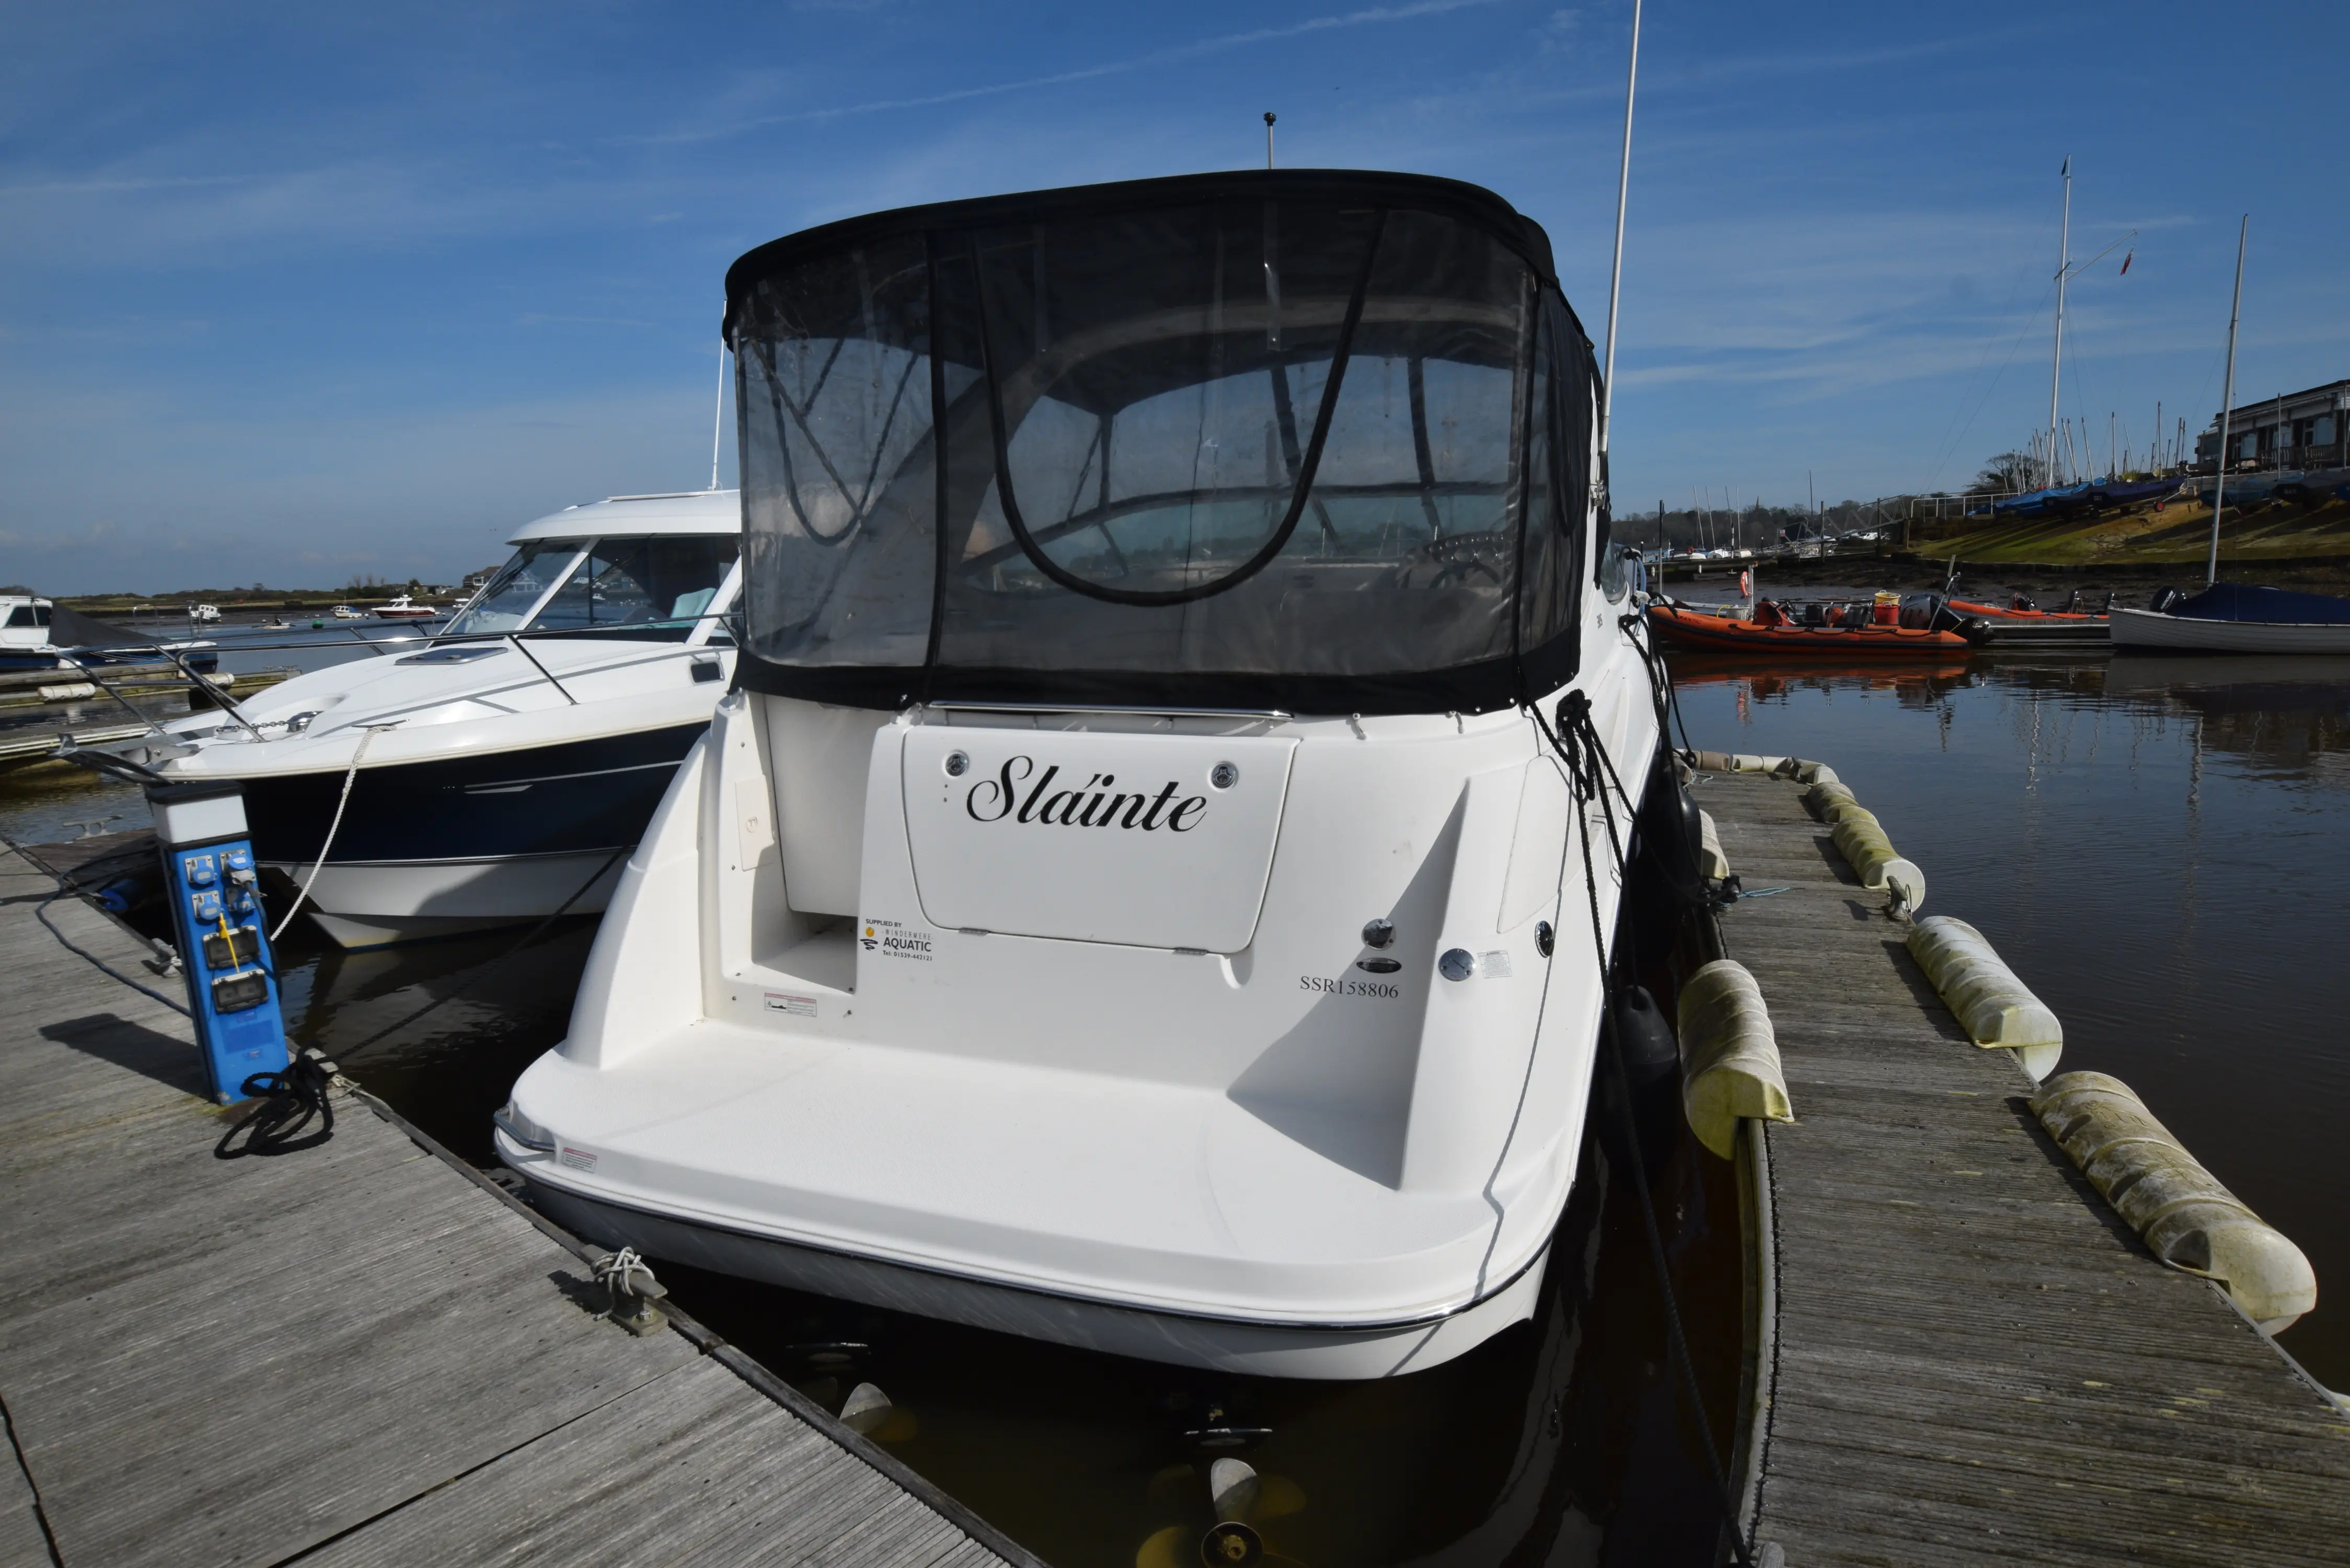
[1711, 859]
[2187, 1219]
[1995, 1008]
[1824, 799]
[1860, 839]
[1729, 1057]
[1794, 768]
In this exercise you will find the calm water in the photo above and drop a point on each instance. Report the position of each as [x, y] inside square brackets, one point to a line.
[2155, 844]
[2159, 847]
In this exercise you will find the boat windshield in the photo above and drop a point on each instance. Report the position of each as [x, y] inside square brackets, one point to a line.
[1307, 440]
[659, 587]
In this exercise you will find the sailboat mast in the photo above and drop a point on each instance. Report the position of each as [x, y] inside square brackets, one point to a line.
[2227, 400]
[1615, 278]
[2064, 264]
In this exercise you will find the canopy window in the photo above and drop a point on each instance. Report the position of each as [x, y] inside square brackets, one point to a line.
[1312, 440]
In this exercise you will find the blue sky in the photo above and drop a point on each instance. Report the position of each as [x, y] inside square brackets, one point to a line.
[292, 292]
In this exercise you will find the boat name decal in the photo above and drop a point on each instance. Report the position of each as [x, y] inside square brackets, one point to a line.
[998, 799]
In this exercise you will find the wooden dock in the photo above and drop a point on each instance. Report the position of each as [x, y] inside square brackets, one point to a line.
[1963, 1355]
[357, 1353]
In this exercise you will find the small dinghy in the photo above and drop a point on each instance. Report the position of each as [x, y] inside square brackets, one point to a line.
[1131, 899]
[2230, 617]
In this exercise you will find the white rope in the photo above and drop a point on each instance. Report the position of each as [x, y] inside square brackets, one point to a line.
[332, 828]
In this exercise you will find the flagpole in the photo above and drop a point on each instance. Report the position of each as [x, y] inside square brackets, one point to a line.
[2227, 402]
[1615, 278]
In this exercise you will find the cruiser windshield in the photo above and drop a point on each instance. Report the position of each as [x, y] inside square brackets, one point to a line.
[1307, 441]
[659, 587]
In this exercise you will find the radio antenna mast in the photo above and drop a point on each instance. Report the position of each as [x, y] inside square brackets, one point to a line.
[718, 420]
[1268, 139]
[1615, 277]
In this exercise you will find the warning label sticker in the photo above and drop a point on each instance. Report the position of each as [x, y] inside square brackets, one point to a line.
[576, 1158]
[797, 1006]
[893, 939]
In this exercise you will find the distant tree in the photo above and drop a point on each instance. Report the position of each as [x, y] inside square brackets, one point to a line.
[2009, 470]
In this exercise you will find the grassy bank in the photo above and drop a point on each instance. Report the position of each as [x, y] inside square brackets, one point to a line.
[2180, 534]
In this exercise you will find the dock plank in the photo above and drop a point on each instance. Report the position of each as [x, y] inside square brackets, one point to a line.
[1974, 1361]
[354, 1353]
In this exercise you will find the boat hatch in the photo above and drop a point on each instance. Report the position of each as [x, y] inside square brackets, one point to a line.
[1151, 840]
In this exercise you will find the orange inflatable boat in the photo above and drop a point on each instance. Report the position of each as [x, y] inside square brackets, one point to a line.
[1844, 632]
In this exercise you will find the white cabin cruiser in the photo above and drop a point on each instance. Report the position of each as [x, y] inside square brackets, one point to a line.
[1131, 901]
[493, 769]
[25, 633]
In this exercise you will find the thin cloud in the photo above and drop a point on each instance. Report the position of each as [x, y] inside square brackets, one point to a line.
[1176, 56]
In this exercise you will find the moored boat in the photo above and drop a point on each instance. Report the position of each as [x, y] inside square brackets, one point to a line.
[1840, 632]
[404, 607]
[497, 773]
[1157, 590]
[2232, 618]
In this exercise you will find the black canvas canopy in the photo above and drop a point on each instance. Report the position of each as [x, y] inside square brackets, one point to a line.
[1311, 439]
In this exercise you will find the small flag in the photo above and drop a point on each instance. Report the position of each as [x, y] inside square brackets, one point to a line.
[2125, 261]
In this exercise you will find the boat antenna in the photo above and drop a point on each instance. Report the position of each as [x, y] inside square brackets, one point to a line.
[1615, 277]
[2063, 266]
[1268, 139]
[718, 419]
[2227, 402]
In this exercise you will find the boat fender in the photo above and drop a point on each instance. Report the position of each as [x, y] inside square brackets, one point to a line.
[1729, 1057]
[1672, 829]
[1860, 839]
[2186, 1217]
[1711, 859]
[1653, 1061]
[1996, 1009]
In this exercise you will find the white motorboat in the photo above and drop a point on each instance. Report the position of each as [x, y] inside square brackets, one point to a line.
[1131, 901]
[493, 773]
[25, 633]
[2229, 617]
[403, 607]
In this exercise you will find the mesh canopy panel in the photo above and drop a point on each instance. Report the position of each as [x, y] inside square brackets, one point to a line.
[1262, 439]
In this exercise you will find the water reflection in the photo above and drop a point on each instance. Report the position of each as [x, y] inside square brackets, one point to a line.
[2157, 844]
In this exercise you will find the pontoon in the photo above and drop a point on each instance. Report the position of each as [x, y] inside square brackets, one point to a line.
[1130, 901]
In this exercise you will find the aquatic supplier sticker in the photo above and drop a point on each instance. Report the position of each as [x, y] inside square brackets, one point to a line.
[894, 939]
[797, 1006]
[576, 1158]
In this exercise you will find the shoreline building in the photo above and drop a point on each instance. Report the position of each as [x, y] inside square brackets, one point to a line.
[2303, 430]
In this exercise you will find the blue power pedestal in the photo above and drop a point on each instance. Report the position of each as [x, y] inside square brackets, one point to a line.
[214, 890]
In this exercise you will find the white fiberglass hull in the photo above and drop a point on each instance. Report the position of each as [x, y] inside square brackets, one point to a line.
[376, 903]
[1222, 1345]
[1294, 1156]
[2146, 628]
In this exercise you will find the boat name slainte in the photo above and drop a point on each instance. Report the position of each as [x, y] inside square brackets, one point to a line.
[990, 800]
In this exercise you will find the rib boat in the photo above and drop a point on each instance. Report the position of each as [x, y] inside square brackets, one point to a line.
[498, 772]
[1131, 899]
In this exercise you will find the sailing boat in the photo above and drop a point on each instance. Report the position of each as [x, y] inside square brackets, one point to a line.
[2228, 618]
